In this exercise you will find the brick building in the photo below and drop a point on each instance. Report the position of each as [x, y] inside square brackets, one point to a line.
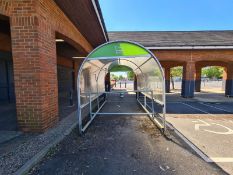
[192, 51]
[41, 42]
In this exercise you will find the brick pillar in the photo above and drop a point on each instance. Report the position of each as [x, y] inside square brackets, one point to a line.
[198, 79]
[35, 68]
[229, 81]
[167, 71]
[224, 78]
[188, 81]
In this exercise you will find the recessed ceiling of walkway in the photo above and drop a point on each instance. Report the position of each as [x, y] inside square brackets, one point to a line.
[89, 22]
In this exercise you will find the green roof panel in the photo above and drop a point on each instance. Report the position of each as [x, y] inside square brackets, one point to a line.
[119, 49]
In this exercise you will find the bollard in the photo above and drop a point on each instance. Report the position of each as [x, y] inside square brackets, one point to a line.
[71, 98]
[125, 84]
[120, 84]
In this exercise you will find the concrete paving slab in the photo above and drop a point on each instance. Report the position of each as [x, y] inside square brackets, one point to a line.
[209, 129]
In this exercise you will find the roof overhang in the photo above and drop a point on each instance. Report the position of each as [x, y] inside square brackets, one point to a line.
[87, 17]
[189, 47]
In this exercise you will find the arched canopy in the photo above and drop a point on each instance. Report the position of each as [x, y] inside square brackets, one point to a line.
[144, 64]
[91, 81]
[119, 68]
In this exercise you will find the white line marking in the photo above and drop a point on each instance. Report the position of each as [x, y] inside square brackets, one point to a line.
[204, 123]
[197, 109]
[194, 147]
[229, 131]
[217, 108]
[197, 126]
[222, 159]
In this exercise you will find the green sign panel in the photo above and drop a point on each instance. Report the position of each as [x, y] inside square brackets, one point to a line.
[119, 49]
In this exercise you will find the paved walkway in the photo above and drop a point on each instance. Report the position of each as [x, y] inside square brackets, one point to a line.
[122, 145]
[8, 121]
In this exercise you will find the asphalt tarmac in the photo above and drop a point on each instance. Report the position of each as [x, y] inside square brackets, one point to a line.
[123, 145]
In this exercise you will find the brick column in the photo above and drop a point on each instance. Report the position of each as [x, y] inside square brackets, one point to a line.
[224, 78]
[188, 82]
[229, 81]
[35, 68]
[167, 72]
[198, 79]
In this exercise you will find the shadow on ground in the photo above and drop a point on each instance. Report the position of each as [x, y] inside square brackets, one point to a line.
[121, 145]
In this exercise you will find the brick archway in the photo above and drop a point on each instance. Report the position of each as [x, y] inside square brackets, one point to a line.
[202, 64]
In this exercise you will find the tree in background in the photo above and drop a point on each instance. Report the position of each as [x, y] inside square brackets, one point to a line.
[114, 77]
[130, 75]
[212, 72]
[121, 77]
[176, 72]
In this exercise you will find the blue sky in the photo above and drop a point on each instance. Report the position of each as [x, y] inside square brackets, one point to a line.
[167, 15]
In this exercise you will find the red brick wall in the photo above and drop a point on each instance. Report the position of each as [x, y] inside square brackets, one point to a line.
[193, 60]
[194, 55]
[33, 27]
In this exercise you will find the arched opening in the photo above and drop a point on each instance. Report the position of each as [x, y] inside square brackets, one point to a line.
[212, 79]
[69, 58]
[94, 76]
[176, 77]
[121, 78]
[8, 118]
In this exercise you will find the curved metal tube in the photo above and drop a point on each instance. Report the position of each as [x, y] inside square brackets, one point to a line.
[80, 71]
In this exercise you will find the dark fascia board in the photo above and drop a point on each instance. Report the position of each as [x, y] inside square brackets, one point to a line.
[102, 18]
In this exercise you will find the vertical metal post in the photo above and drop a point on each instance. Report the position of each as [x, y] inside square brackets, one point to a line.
[71, 97]
[164, 117]
[164, 105]
[145, 100]
[90, 105]
[79, 113]
[79, 119]
[152, 104]
[98, 103]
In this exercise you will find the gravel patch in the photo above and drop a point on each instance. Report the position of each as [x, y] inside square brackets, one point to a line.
[13, 159]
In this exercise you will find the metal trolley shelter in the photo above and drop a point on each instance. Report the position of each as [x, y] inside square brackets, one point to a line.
[149, 89]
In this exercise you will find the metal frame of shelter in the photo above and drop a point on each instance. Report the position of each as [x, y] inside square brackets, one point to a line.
[90, 82]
